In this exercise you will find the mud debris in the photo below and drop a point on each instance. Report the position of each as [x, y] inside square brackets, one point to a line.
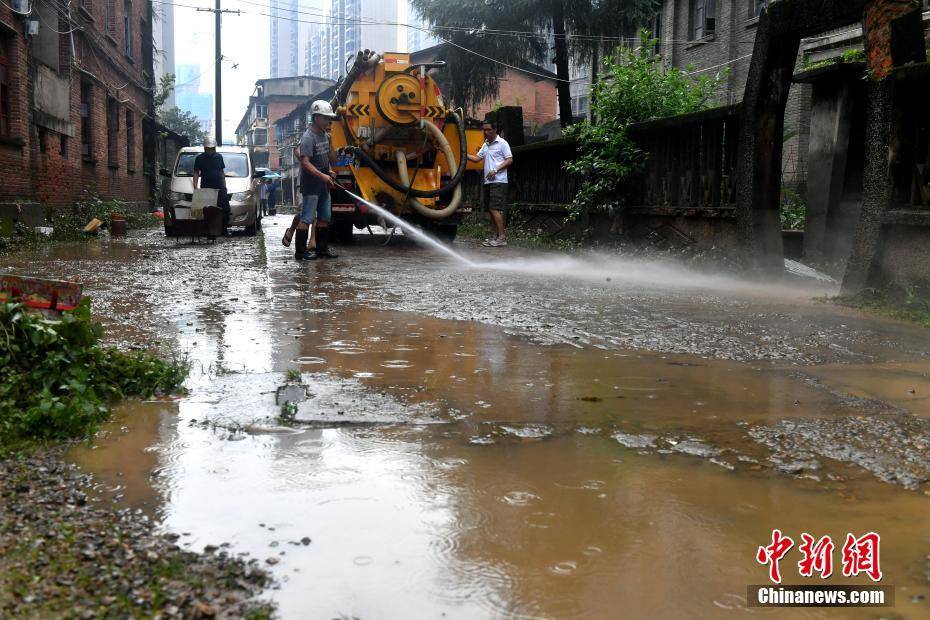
[67, 554]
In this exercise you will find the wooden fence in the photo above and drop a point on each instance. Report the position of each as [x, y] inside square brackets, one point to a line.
[690, 164]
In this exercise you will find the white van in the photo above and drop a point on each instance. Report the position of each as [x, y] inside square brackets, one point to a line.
[241, 183]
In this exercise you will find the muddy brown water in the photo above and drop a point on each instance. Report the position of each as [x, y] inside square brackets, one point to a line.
[507, 483]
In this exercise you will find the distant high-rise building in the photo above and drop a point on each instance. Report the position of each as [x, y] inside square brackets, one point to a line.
[418, 36]
[354, 25]
[188, 97]
[163, 35]
[284, 38]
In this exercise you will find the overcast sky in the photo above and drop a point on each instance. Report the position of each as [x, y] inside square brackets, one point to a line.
[245, 43]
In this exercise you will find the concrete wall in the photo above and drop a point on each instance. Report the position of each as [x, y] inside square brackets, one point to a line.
[729, 49]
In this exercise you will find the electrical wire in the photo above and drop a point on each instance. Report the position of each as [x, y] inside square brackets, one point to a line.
[723, 64]
[29, 12]
[330, 20]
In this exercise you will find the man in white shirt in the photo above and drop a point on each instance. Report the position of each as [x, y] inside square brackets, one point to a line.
[497, 158]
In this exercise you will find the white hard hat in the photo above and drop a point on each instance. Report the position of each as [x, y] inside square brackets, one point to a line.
[209, 142]
[322, 108]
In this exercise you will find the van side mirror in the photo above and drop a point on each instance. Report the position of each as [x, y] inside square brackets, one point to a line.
[258, 174]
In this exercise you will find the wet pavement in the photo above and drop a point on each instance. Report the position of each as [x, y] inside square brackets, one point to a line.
[539, 437]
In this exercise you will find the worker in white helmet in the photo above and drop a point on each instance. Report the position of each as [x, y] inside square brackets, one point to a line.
[316, 179]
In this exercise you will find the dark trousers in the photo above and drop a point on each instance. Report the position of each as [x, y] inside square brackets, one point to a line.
[222, 201]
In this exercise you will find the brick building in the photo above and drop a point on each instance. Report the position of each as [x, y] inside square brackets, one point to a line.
[272, 100]
[712, 36]
[536, 94]
[75, 101]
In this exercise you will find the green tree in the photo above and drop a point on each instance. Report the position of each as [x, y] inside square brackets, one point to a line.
[183, 123]
[165, 86]
[494, 28]
[636, 88]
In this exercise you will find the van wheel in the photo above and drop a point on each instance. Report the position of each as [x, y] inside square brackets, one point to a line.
[251, 230]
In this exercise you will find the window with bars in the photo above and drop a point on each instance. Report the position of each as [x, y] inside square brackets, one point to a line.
[109, 16]
[756, 6]
[130, 140]
[127, 28]
[4, 85]
[703, 18]
[112, 131]
[86, 121]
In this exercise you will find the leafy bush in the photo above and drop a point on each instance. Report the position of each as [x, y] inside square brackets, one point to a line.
[793, 210]
[56, 380]
[635, 88]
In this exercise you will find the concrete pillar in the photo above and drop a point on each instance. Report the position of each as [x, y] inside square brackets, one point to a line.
[762, 124]
[831, 120]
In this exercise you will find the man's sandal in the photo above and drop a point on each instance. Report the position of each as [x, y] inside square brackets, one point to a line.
[288, 235]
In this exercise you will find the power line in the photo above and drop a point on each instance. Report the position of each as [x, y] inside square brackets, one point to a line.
[330, 20]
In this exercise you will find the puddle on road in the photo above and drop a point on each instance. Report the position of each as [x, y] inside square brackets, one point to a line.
[405, 518]
[564, 482]
[524, 503]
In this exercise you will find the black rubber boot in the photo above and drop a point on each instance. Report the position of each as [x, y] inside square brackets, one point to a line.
[300, 248]
[322, 243]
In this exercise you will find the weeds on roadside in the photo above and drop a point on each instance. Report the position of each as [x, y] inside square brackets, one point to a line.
[57, 381]
[906, 304]
[68, 225]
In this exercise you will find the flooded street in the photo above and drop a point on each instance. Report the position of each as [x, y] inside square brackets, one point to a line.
[537, 437]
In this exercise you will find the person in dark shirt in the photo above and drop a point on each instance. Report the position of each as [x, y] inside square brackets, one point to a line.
[210, 173]
[316, 179]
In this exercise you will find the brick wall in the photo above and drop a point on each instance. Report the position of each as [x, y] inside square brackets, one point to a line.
[537, 98]
[46, 164]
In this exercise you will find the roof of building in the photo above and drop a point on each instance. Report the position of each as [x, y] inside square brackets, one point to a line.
[438, 50]
[301, 110]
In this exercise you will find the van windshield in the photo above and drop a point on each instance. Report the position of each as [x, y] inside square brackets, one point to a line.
[237, 164]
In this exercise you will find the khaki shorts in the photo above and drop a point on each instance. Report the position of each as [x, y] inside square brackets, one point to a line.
[494, 196]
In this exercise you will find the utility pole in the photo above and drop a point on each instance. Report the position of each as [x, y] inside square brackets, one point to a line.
[218, 87]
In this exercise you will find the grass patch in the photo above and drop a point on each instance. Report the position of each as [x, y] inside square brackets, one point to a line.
[476, 226]
[906, 305]
[57, 380]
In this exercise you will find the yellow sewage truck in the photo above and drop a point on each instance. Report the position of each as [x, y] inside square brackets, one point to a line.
[401, 146]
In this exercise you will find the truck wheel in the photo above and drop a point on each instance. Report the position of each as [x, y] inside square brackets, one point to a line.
[447, 232]
[344, 232]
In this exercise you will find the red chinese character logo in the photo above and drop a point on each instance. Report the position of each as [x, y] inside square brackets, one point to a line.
[860, 555]
[773, 553]
[817, 556]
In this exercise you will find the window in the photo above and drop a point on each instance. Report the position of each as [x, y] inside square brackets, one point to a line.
[127, 28]
[756, 6]
[703, 18]
[4, 86]
[261, 110]
[109, 16]
[87, 150]
[260, 137]
[63, 145]
[45, 45]
[130, 140]
[112, 132]
[237, 164]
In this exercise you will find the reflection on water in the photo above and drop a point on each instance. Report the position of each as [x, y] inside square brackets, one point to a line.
[537, 497]
[402, 518]
[523, 505]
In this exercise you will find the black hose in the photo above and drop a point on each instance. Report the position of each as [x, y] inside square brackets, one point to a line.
[369, 161]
